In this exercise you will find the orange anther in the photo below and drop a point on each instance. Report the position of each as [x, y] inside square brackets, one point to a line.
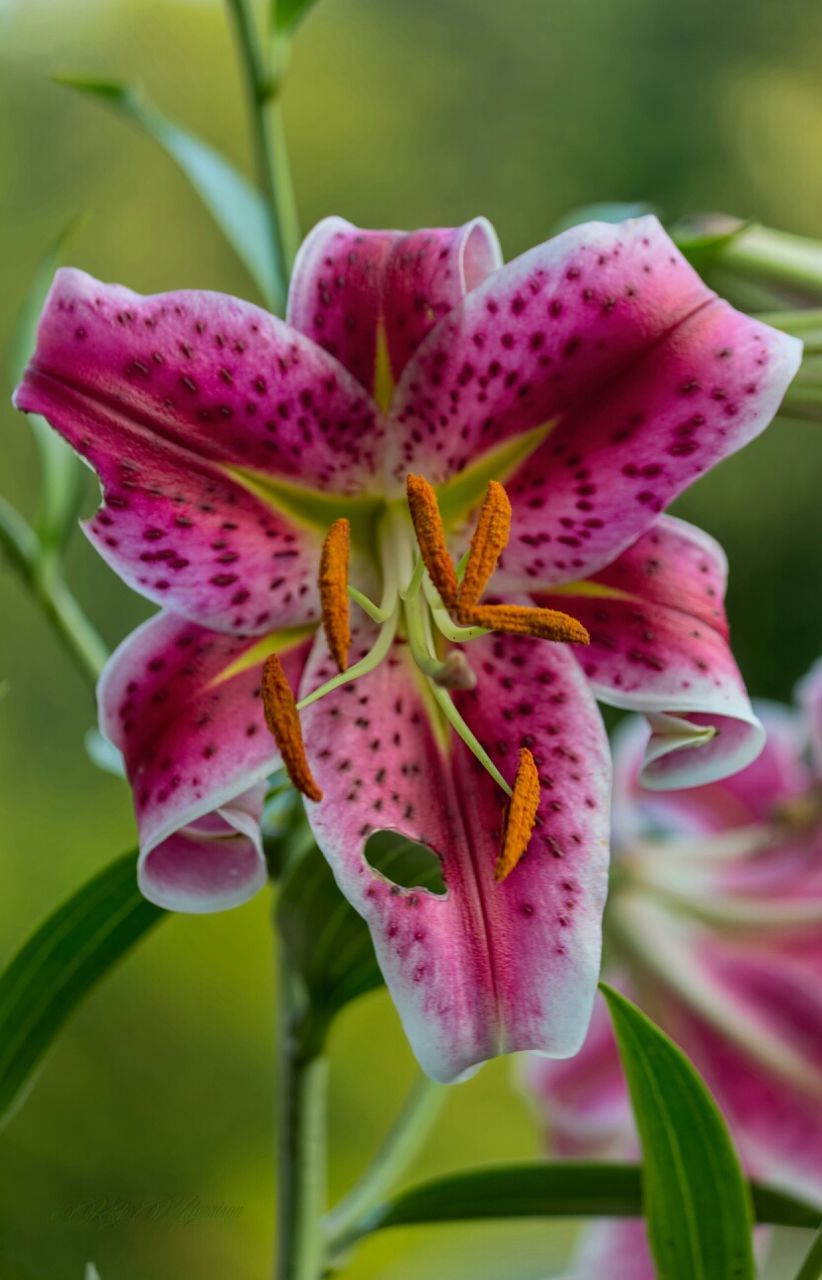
[427, 521]
[521, 620]
[520, 816]
[487, 545]
[283, 721]
[334, 590]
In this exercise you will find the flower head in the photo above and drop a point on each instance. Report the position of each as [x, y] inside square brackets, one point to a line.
[414, 531]
[713, 926]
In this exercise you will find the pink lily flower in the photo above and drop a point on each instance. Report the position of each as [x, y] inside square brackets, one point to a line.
[714, 926]
[260, 475]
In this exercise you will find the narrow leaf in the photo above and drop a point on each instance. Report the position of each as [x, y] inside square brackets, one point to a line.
[234, 204]
[71, 951]
[696, 1200]
[551, 1190]
[62, 473]
[288, 14]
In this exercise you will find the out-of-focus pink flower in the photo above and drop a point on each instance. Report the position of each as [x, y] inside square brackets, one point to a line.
[596, 376]
[714, 928]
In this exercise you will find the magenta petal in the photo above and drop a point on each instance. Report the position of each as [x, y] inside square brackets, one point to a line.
[188, 718]
[162, 396]
[220, 378]
[212, 865]
[348, 283]
[609, 337]
[778, 774]
[747, 1009]
[659, 644]
[488, 968]
[776, 1125]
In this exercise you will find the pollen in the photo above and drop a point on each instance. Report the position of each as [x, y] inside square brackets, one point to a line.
[520, 816]
[487, 545]
[283, 721]
[427, 521]
[334, 591]
[522, 620]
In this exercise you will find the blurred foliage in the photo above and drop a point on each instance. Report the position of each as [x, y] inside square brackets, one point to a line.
[146, 1144]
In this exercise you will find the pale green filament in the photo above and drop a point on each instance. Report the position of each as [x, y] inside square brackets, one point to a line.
[375, 612]
[451, 630]
[361, 668]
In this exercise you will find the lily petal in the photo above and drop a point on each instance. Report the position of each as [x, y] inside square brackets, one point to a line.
[215, 863]
[191, 406]
[776, 1125]
[659, 644]
[488, 968]
[750, 796]
[606, 341]
[766, 1002]
[354, 290]
[183, 705]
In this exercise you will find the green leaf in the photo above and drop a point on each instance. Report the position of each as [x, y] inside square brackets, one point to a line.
[811, 1268]
[286, 15]
[62, 472]
[234, 204]
[696, 1200]
[71, 951]
[558, 1190]
[610, 211]
[328, 942]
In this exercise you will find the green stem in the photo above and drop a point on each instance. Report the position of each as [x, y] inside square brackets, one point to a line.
[264, 78]
[302, 1137]
[42, 574]
[399, 1148]
[811, 1268]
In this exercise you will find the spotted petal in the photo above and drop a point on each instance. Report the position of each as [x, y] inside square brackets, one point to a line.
[206, 419]
[606, 342]
[183, 705]
[488, 968]
[370, 297]
[659, 644]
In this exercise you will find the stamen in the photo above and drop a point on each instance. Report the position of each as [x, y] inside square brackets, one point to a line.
[520, 816]
[489, 541]
[334, 590]
[425, 516]
[374, 611]
[283, 722]
[521, 620]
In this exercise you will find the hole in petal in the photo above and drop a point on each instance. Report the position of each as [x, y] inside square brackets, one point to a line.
[405, 863]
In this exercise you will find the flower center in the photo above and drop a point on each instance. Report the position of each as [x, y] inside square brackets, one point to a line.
[432, 603]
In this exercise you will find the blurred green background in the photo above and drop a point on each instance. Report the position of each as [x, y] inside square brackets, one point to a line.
[399, 114]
